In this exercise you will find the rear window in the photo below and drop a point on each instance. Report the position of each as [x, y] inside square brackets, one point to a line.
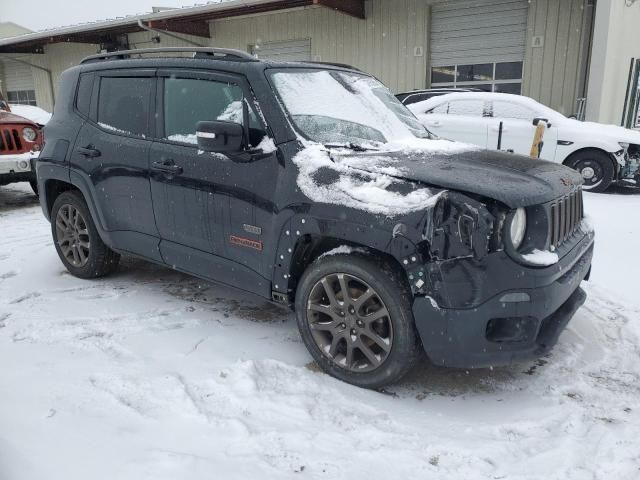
[85, 87]
[123, 106]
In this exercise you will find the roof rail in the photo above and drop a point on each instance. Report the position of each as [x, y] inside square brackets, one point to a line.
[330, 64]
[198, 52]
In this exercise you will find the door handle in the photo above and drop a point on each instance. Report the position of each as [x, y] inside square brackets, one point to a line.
[168, 166]
[88, 151]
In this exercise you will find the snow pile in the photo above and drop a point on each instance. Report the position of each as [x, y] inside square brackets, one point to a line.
[152, 374]
[371, 192]
[543, 258]
[342, 250]
[267, 145]
[35, 114]
[113, 129]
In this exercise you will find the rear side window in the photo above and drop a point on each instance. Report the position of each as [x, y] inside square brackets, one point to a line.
[469, 108]
[123, 105]
[83, 99]
[188, 101]
[512, 110]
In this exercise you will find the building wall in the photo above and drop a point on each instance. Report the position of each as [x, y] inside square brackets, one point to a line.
[616, 42]
[552, 71]
[383, 44]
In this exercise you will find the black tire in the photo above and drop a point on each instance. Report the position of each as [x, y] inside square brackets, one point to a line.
[596, 168]
[34, 187]
[403, 348]
[98, 260]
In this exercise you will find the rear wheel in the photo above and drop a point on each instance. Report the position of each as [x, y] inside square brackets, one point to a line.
[77, 241]
[354, 315]
[596, 168]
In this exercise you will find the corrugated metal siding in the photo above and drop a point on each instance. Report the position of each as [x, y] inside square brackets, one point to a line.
[551, 72]
[284, 51]
[383, 44]
[478, 31]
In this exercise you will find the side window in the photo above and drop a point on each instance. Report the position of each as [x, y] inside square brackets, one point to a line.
[188, 101]
[469, 108]
[512, 110]
[123, 105]
[442, 109]
[83, 99]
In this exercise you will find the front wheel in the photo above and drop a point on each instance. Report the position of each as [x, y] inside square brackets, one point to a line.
[596, 168]
[76, 238]
[354, 315]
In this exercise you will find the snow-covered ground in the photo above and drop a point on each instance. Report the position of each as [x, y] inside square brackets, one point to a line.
[151, 374]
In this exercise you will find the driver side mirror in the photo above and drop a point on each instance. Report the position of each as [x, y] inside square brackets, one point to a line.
[219, 137]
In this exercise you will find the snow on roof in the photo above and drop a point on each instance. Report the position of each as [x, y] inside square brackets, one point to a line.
[426, 105]
[128, 20]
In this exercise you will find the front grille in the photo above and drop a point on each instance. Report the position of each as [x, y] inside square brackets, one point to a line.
[566, 214]
[10, 141]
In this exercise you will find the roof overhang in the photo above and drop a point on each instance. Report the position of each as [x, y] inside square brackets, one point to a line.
[191, 21]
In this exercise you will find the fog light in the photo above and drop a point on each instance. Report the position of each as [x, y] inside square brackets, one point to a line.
[511, 329]
[23, 165]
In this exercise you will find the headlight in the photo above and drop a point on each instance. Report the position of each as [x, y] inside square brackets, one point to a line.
[29, 134]
[518, 227]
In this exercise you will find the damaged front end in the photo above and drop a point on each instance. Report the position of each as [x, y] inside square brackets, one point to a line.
[479, 299]
[629, 159]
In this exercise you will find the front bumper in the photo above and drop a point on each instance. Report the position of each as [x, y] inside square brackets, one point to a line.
[507, 328]
[17, 168]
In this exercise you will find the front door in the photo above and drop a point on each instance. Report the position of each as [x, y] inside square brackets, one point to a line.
[210, 209]
[111, 156]
[459, 120]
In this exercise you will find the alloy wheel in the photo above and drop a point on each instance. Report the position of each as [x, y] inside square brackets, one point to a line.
[73, 235]
[349, 322]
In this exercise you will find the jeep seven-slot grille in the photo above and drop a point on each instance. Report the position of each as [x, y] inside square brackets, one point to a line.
[10, 141]
[566, 215]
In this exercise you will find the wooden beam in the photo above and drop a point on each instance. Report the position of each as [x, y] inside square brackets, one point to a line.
[199, 28]
[355, 8]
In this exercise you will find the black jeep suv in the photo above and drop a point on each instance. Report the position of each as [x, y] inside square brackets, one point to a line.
[313, 186]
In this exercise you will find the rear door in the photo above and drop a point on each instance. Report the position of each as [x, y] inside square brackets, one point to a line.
[212, 211]
[111, 156]
[518, 130]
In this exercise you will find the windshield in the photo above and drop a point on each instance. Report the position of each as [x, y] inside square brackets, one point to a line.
[337, 107]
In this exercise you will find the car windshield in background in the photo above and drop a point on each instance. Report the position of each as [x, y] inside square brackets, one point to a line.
[337, 107]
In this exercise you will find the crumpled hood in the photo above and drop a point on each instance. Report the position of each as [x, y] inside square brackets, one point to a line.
[514, 180]
[8, 117]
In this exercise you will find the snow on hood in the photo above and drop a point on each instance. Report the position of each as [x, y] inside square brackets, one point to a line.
[35, 114]
[377, 190]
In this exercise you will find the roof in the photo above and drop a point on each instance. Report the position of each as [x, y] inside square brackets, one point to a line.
[188, 20]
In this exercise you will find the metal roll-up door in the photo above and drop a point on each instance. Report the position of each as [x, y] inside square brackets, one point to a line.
[478, 31]
[17, 76]
[284, 51]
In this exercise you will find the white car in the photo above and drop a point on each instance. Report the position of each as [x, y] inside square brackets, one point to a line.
[603, 154]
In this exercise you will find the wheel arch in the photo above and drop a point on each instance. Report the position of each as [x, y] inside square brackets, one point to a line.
[308, 248]
[567, 161]
[53, 188]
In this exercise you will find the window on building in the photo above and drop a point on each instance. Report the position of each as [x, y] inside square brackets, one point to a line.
[503, 77]
[189, 101]
[22, 97]
[123, 104]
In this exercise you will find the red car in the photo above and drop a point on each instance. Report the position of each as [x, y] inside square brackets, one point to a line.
[20, 144]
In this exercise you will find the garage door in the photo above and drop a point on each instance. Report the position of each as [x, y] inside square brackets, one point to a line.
[18, 83]
[284, 51]
[479, 43]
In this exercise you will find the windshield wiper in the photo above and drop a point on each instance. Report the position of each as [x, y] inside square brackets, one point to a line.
[356, 147]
